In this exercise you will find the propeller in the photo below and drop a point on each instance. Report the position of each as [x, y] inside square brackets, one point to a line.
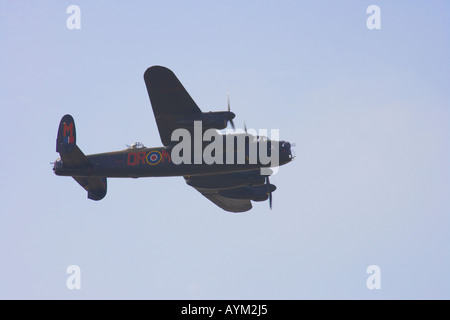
[245, 128]
[232, 115]
[270, 188]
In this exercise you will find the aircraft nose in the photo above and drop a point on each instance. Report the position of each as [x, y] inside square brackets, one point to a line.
[291, 151]
[286, 150]
[231, 115]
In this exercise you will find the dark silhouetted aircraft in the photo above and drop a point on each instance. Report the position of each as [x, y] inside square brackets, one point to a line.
[231, 181]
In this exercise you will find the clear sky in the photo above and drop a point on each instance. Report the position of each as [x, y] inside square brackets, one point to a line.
[368, 110]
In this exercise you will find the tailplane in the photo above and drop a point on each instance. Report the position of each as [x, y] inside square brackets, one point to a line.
[95, 186]
[73, 160]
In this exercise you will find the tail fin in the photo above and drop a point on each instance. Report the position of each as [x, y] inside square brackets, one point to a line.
[66, 140]
[72, 157]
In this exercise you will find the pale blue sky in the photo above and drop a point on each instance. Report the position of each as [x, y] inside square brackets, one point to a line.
[368, 110]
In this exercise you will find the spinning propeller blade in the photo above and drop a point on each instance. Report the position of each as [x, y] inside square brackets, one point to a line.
[269, 191]
[229, 108]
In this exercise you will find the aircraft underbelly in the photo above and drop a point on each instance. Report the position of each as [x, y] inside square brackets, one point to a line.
[168, 170]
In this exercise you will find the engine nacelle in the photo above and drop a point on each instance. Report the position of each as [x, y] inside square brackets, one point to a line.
[210, 120]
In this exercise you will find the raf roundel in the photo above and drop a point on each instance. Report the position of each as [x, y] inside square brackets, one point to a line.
[153, 157]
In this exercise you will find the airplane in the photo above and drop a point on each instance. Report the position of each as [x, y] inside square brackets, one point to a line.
[231, 185]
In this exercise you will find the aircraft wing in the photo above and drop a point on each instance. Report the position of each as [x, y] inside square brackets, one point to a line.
[170, 100]
[216, 186]
[227, 204]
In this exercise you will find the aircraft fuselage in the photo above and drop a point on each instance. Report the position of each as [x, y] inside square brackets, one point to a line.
[158, 162]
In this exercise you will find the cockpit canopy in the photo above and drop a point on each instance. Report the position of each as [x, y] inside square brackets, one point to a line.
[136, 145]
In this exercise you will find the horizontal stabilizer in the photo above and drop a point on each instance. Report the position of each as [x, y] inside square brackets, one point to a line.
[73, 158]
[95, 186]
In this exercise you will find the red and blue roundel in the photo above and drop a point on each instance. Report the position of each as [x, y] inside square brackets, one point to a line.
[153, 157]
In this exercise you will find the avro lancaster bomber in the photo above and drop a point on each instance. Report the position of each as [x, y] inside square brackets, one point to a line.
[231, 170]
